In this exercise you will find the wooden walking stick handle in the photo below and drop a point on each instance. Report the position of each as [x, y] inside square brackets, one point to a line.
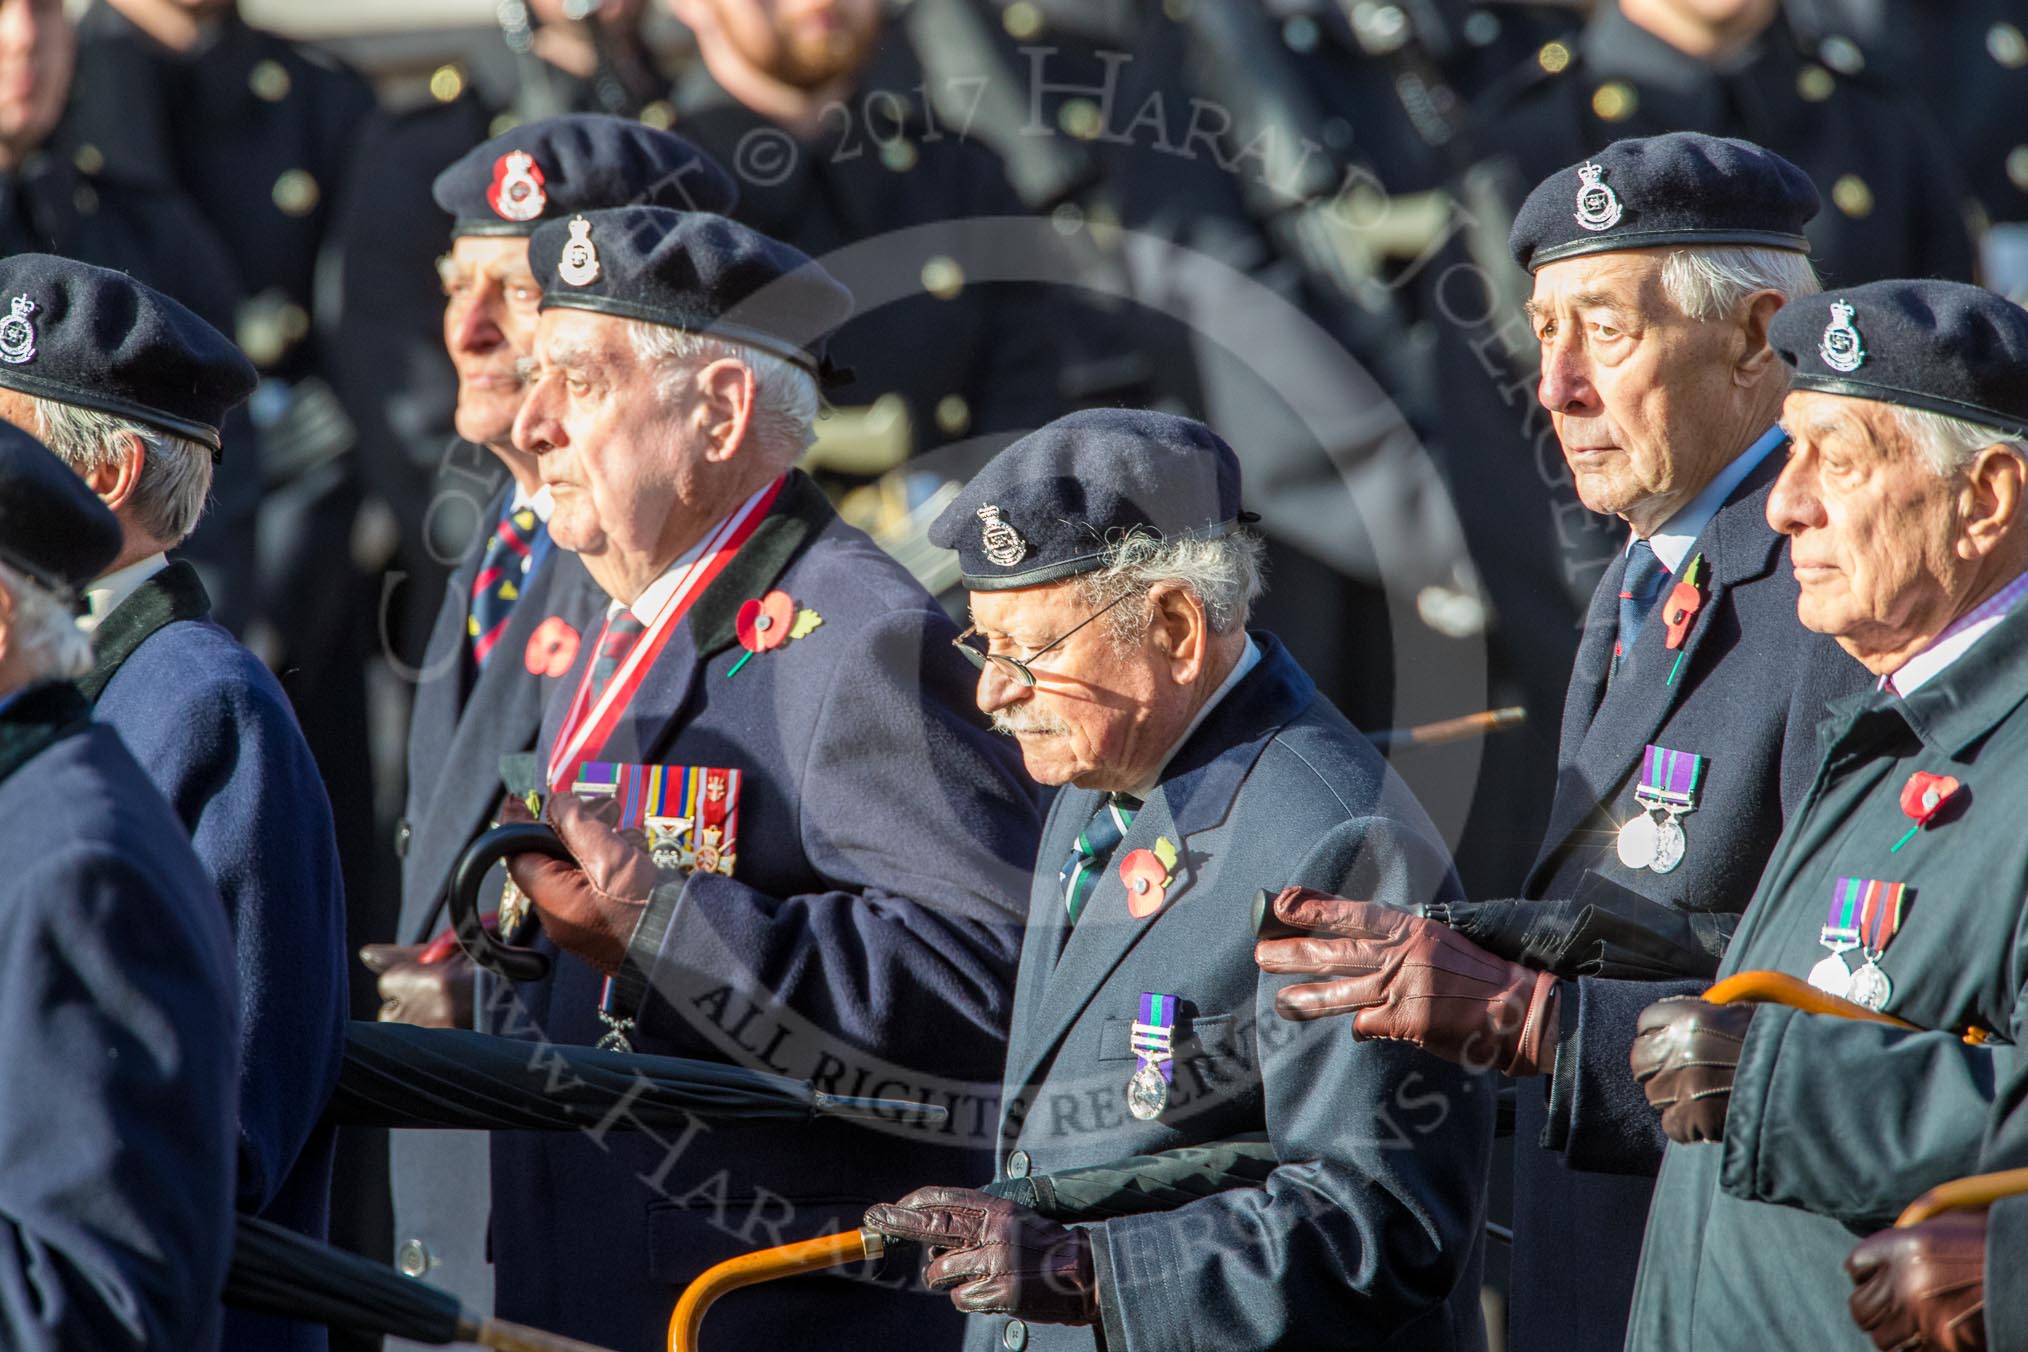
[766, 1265]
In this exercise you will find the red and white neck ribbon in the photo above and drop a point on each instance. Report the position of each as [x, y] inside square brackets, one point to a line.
[589, 723]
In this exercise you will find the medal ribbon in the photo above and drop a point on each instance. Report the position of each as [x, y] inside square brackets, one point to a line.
[586, 728]
[1669, 777]
[1842, 923]
[1881, 917]
[1154, 1033]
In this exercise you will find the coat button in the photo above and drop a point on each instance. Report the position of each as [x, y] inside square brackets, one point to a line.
[1017, 1164]
[403, 833]
[1015, 1337]
[414, 1258]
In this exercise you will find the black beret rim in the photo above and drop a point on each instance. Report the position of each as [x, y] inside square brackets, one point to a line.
[15, 379]
[1623, 240]
[42, 578]
[1882, 393]
[481, 225]
[731, 333]
[1090, 563]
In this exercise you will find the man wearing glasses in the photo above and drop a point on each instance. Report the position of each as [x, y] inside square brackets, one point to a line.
[1111, 573]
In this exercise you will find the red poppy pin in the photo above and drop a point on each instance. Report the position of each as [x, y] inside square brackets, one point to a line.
[551, 648]
[1922, 797]
[1679, 612]
[1147, 875]
[767, 622]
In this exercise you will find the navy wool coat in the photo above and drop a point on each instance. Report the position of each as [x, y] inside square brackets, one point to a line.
[119, 1057]
[1368, 1234]
[217, 737]
[866, 938]
[1751, 687]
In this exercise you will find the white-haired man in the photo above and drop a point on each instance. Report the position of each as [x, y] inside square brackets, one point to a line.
[836, 841]
[116, 1127]
[1688, 729]
[129, 388]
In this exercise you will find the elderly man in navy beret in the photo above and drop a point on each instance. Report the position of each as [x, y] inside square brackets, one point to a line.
[514, 611]
[1688, 728]
[1899, 886]
[797, 844]
[1111, 574]
[129, 388]
[116, 1124]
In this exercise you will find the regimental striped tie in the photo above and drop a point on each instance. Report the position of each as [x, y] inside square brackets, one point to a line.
[1095, 845]
[1639, 591]
[503, 569]
[623, 631]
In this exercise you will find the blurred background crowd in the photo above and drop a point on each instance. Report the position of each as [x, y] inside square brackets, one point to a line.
[1286, 217]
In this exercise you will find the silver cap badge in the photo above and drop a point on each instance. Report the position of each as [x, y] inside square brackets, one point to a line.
[1003, 544]
[1598, 206]
[1840, 346]
[17, 335]
[580, 262]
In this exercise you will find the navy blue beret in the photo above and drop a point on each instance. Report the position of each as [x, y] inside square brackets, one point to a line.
[690, 270]
[52, 527]
[562, 165]
[1680, 188]
[89, 336]
[1948, 347]
[1047, 507]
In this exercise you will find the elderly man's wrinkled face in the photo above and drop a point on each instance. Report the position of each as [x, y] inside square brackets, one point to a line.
[1098, 714]
[38, 54]
[490, 300]
[1643, 398]
[802, 43]
[1873, 531]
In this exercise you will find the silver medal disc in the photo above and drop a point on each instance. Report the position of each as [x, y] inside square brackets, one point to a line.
[1669, 843]
[1832, 976]
[1870, 987]
[1147, 1094]
[1638, 841]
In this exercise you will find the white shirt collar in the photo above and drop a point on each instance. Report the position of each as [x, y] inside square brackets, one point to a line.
[1956, 640]
[1248, 660]
[656, 594]
[103, 597]
[540, 500]
[1673, 539]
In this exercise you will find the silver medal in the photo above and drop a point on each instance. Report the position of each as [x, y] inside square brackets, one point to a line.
[1669, 844]
[1147, 1093]
[1870, 987]
[1638, 842]
[1832, 976]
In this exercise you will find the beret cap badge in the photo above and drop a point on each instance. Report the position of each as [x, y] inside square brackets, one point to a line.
[579, 264]
[517, 193]
[1003, 544]
[17, 335]
[1840, 346]
[1598, 206]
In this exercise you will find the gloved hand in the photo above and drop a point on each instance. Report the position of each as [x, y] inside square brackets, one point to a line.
[1923, 1287]
[1412, 980]
[591, 907]
[1686, 1051]
[427, 994]
[995, 1257]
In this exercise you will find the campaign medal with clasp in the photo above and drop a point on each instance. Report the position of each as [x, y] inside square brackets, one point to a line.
[1666, 790]
[1154, 1048]
[1865, 915]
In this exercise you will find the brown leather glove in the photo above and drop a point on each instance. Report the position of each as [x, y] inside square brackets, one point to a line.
[1923, 1287]
[1412, 980]
[589, 908]
[995, 1257]
[1686, 1051]
[428, 995]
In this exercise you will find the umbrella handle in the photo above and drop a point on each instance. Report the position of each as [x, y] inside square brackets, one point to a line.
[1964, 1194]
[1779, 988]
[485, 948]
[502, 1336]
[766, 1265]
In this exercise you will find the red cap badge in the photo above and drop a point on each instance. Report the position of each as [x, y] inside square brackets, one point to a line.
[517, 192]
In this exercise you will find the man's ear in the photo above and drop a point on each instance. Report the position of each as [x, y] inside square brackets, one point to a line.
[115, 483]
[1180, 630]
[1756, 357]
[1991, 502]
[725, 396]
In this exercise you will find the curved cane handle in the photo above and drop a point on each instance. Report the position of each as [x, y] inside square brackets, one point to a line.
[485, 948]
[1779, 988]
[811, 1255]
[1964, 1194]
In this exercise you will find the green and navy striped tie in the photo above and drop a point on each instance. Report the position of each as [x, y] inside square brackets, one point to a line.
[1100, 837]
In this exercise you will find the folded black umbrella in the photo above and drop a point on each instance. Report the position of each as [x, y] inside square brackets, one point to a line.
[1604, 931]
[278, 1272]
[396, 1075]
[1143, 1183]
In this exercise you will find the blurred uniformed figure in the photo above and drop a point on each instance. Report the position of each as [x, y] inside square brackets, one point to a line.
[1111, 572]
[118, 1055]
[129, 388]
[1899, 885]
[514, 612]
